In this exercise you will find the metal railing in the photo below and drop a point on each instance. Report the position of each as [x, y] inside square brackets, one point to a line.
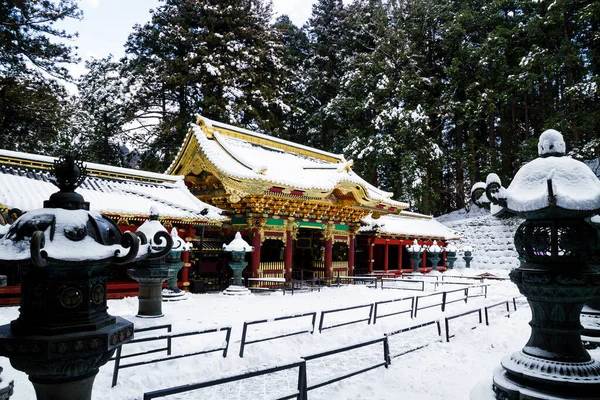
[412, 283]
[323, 313]
[377, 304]
[245, 342]
[300, 394]
[447, 319]
[412, 328]
[169, 337]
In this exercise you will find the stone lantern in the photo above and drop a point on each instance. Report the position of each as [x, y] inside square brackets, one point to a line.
[238, 248]
[152, 271]
[415, 252]
[174, 263]
[64, 334]
[467, 255]
[433, 252]
[451, 255]
[554, 194]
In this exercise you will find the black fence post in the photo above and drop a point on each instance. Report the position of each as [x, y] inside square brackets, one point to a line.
[447, 333]
[321, 321]
[243, 342]
[444, 301]
[370, 315]
[375, 315]
[466, 295]
[487, 320]
[116, 367]
[302, 384]
[416, 306]
[169, 341]
[386, 352]
[227, 337]
[314, 318]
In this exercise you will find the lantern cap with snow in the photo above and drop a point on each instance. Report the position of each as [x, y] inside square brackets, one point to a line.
[435, 248]
[551, 185]
[65, 232]
[451, 248]
[414, 248]
[153, 234]
[238, 245]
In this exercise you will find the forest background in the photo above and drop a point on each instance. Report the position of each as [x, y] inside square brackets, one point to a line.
[426, 96]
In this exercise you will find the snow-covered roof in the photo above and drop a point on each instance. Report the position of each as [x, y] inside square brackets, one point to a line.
[248, 155]
[410, 225]
[25, 184]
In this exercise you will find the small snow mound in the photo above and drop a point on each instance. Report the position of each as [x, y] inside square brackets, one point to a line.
[551, 141]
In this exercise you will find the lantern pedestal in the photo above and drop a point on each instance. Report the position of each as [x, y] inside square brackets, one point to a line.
[172, 292]
[237, 282]
[150, 294]
[451, 259]
[468, 258]
[554, 361]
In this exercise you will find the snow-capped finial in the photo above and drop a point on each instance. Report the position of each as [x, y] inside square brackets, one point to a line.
[238, 244]
[153, 213]
[174, 232]
[551, 144]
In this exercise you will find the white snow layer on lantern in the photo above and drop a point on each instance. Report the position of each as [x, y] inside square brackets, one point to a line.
[574, 184]
[61, 248]
[551, 141]
[238, 244]
[4, 229]
[150, 228]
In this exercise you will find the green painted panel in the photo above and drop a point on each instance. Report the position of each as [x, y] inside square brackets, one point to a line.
[302, 224]
[275, 222]
[238, 221]
[341, 227]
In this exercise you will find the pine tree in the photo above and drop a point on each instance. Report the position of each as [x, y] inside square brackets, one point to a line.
[100, 116]
[33, 108]
[220, 59]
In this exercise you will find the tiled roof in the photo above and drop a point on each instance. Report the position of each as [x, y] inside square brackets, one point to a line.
[409, 225]
[26, 187]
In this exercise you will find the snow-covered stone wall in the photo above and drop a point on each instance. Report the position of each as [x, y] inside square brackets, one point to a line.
[492, 238]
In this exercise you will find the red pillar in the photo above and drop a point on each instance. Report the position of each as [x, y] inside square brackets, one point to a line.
[256, 253]
[386, 257]
[424, 261]
[185, 274]
[287, 255]
[444, 258]
[371, 246]
[400, 256]
[328, 257]
[351, 255]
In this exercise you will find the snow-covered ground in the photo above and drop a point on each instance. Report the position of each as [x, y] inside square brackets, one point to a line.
[440, 371]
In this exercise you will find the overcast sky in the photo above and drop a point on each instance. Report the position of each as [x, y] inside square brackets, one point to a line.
[106, 24]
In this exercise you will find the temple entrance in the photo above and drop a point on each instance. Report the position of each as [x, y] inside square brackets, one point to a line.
[308, 258]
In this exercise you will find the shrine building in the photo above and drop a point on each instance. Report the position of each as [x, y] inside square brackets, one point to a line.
[301, 208]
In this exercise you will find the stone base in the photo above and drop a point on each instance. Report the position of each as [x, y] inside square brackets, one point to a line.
[236, 291]
[171, 295]
[507, 389]
[150, 316]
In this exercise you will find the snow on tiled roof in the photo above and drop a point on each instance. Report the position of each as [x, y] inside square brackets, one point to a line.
[245, 159]
[408, 224]
[26, 188]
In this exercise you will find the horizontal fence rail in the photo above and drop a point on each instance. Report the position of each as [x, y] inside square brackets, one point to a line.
[271, 284]
[300, 394]
[446, 300]
[169, 338]
[447, 319]
[412, 328]
[405, 284]
[471, 291]
[379, 303]
[323, 313]
[506, 303]
[417, 308]
[245, 342]
[306, 285]
[384, 363]
[362, 280]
